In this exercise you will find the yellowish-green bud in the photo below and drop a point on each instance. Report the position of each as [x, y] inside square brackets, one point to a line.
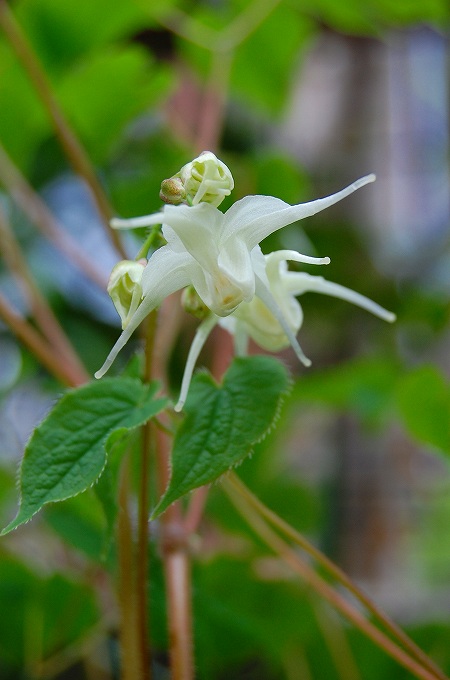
[125, 288]
[193, 304]
[206, 179]
[172, 191]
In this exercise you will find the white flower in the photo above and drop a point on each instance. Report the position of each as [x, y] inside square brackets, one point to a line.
[218, 254]
[254, 319]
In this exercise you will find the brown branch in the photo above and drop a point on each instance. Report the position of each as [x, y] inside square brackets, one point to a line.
[142, 557]
[339, 575]
[37, 212]
[326, 591]
[39, 347]
[194, 512]
[131, 661]
[45, 319]
[175, 556]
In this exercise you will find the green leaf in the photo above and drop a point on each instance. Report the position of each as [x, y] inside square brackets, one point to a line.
[61, 32]
[362, 385]
[106, 90]
[423, 399]
[41, 616]
[66, 453]
[223, 423]
[266, 89]
[20, 111]
[69, 612]
[81, 523]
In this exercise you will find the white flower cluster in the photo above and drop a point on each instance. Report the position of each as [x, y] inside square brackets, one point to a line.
[218, 256]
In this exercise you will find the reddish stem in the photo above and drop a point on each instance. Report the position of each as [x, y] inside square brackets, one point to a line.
[175, 556]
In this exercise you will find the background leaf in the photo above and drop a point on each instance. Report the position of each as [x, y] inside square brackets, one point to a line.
[107, 90]
[423, 399]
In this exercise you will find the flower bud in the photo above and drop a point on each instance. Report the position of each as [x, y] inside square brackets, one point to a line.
[172, 191]
[125, 289]
[193, 304]
[206, 179]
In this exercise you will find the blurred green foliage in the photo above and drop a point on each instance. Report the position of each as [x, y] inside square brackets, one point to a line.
[115, 68]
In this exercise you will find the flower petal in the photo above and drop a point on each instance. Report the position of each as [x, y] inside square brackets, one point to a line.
[299, 282]
[199, 340]
[135, 222]
[274, 259]
[247, 211]
[235, 262]
[142, 311]
[255, 217]
[197, 227]
[266, 296]
[164, 274]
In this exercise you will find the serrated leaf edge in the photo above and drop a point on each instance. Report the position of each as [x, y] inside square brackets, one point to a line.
[280, 402]
[10, 527]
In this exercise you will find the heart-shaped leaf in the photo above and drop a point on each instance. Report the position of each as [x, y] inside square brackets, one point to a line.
[67, 451]
[222, 423]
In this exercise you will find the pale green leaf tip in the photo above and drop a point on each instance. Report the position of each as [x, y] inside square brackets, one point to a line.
[14, 524]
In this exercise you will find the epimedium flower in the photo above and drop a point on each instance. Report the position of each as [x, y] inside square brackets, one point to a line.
[274, 316]
[218, 254]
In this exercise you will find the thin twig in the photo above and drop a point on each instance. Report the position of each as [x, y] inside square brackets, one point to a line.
[281, 548]
[176, 563]
[212, 111]
[69, 141]
[131, 660]
[189, 28]
[194, 512]
[339, 575]
[142, 557]
[225, 40]
[337, 643]
[72, 653]
[39, 347]
[45, 319]
[38, 213]
[246, 23]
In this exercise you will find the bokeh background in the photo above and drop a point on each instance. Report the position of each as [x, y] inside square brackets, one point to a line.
[299, 98]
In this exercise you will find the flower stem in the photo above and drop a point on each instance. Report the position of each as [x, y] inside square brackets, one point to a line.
[195, 509]
[338, 646]
[142, 557]
[129, 640]
[214, 101]
[153, 235]
[415, 659]
[72, 146]
[177, 575]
